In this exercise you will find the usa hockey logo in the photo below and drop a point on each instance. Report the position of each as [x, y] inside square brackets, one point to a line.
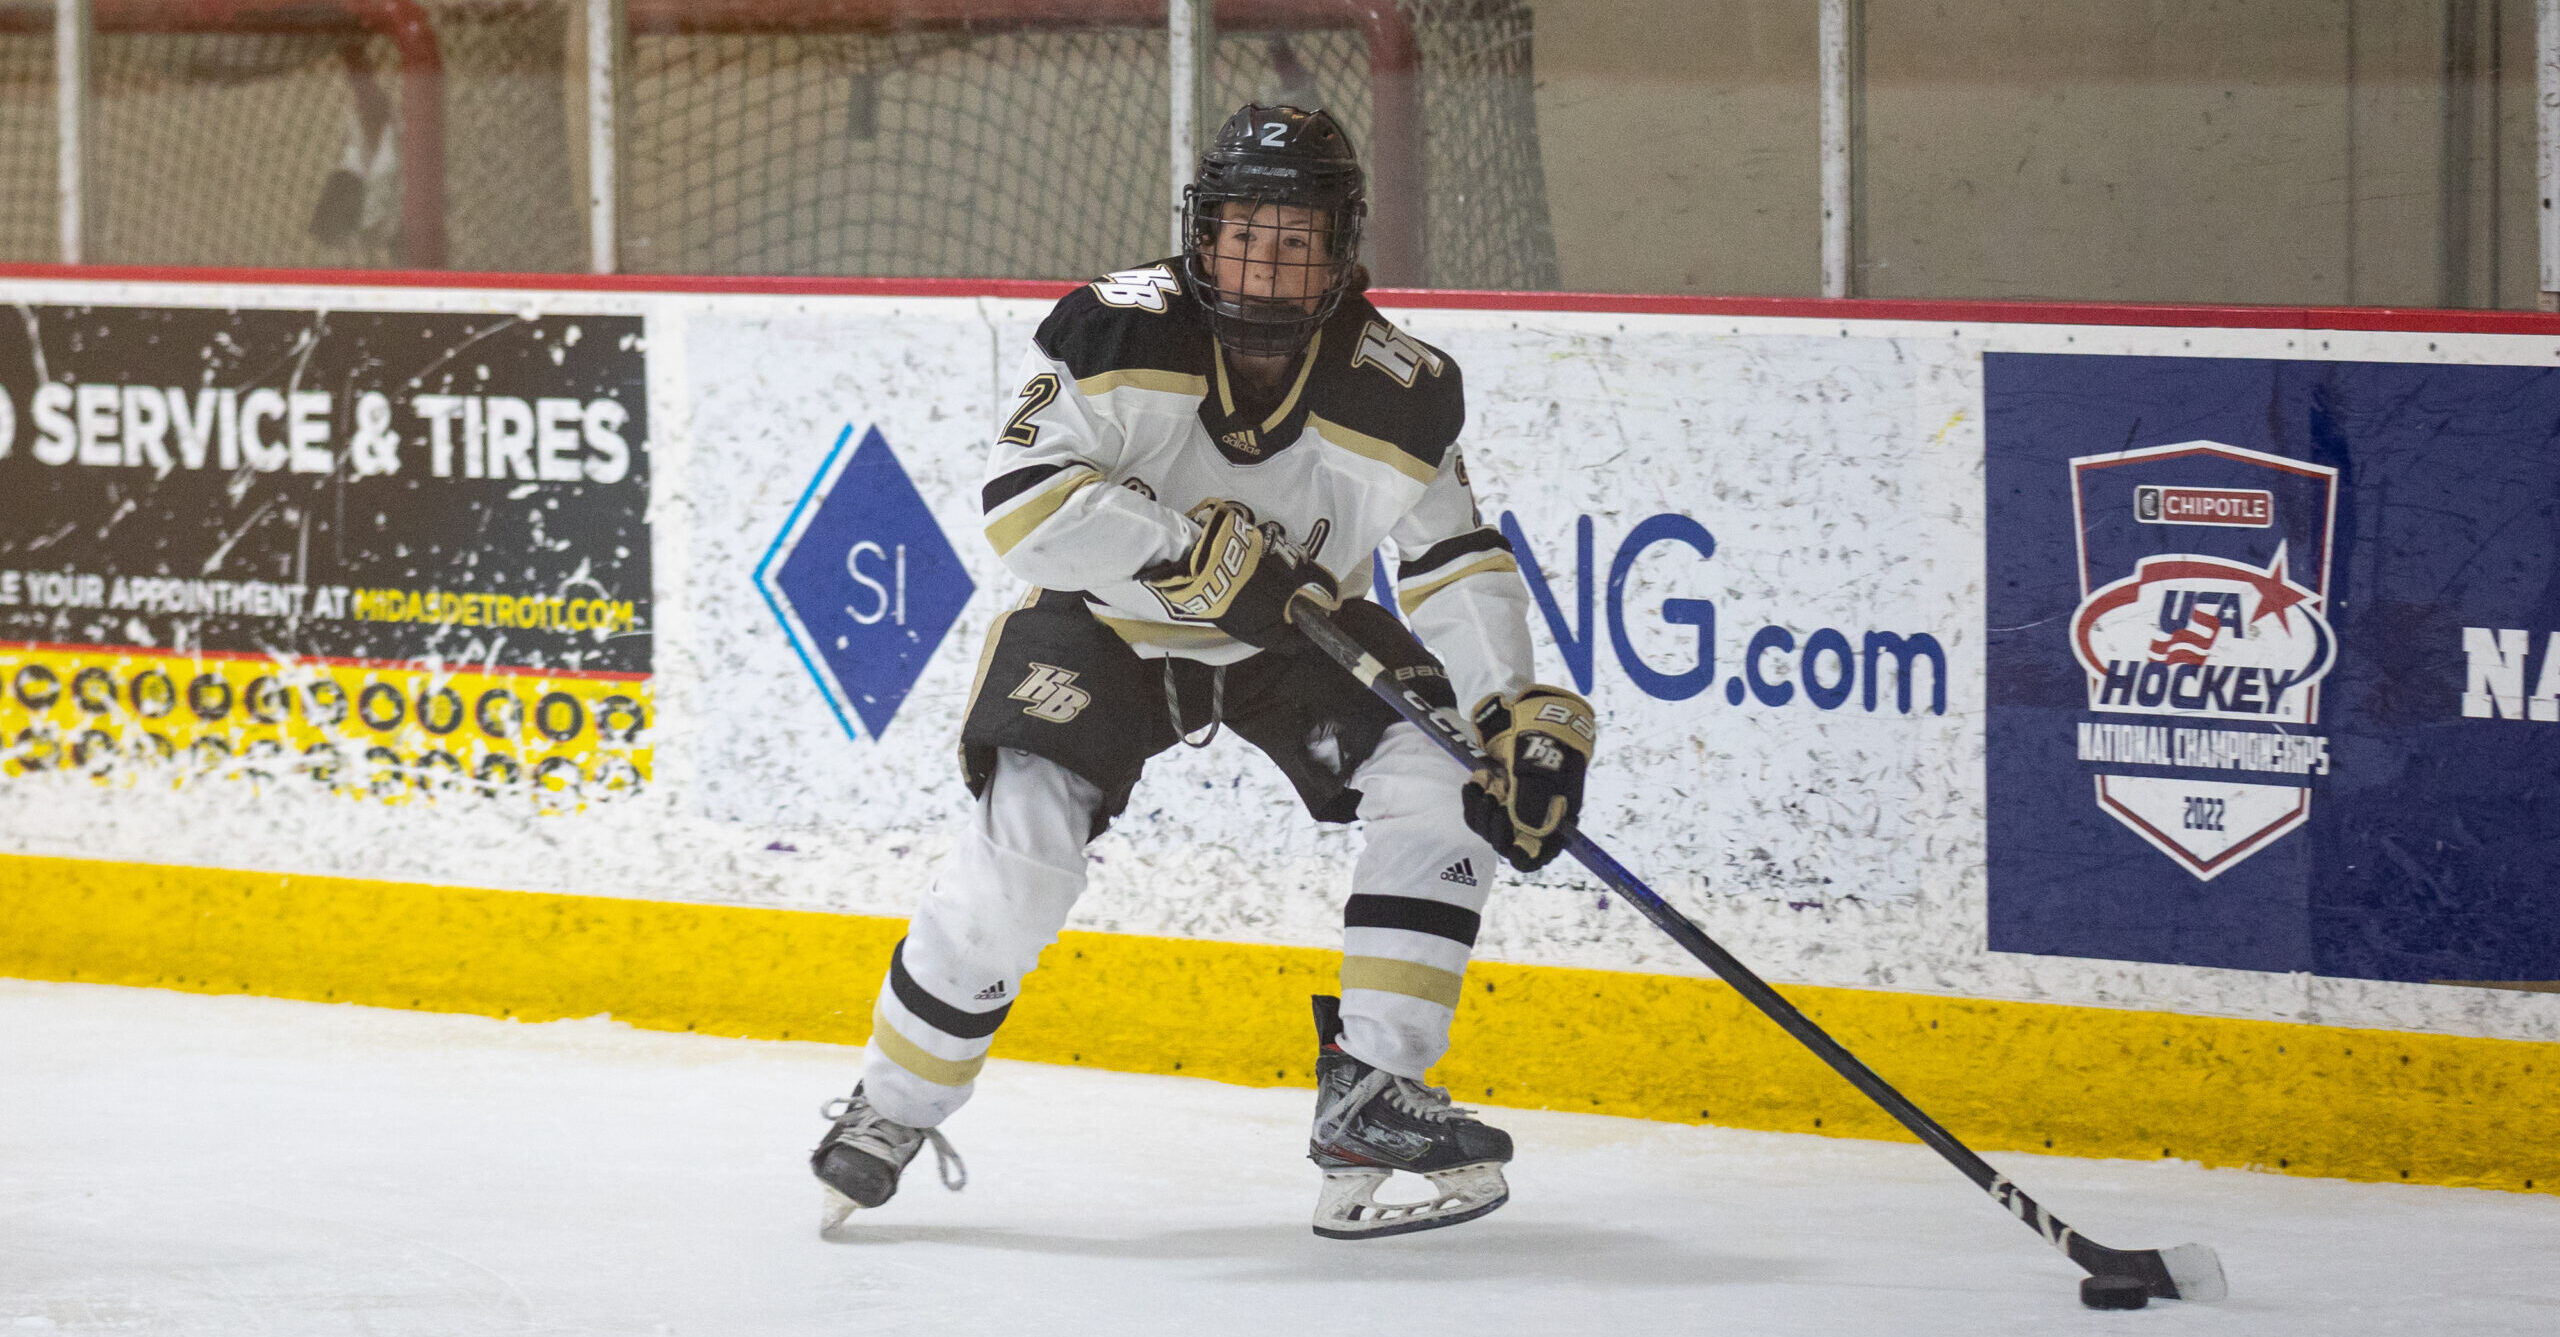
[2197, 612]
[2204, 636]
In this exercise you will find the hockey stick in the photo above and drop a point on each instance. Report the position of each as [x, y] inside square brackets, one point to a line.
[2182, 1272]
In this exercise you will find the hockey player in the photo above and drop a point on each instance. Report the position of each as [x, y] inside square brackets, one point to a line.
[1200, 444]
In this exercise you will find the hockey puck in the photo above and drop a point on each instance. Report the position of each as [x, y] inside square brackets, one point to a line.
[2114, 1292]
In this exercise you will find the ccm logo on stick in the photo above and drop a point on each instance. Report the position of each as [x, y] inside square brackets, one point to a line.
[2238, 507]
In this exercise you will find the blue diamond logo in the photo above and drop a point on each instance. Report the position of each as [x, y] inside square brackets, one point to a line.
[864, 582]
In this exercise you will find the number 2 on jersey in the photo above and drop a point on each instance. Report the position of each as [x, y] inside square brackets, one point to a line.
[1037, 394]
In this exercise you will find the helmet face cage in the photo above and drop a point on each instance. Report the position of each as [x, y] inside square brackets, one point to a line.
[1279, 223]
[1291, 265]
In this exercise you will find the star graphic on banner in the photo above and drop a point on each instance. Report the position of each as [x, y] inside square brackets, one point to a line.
[2276, 594]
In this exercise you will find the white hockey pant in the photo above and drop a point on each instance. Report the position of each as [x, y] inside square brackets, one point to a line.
[1006, 888]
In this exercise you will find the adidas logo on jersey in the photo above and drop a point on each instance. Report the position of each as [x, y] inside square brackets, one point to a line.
[989, 994]
[1463, 872]
[1052, 693]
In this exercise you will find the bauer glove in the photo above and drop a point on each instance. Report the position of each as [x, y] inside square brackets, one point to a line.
[1241, 579]
[1526, 804]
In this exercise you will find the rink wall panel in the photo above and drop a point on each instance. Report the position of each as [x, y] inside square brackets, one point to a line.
[1819, 565]
[2310, 1100]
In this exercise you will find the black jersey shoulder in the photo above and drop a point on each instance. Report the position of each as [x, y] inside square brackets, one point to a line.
[1381, 382]
[1138, 319]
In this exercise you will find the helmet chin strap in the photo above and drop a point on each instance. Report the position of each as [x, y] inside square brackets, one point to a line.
[1247, 338]
[1262, 327]
[1252, 384]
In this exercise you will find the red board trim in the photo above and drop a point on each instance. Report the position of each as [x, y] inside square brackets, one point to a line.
[1951, 313]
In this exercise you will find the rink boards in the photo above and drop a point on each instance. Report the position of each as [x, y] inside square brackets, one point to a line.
[2122, 731]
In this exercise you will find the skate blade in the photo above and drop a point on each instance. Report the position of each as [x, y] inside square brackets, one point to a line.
[1348, 1207]
[835, 1209]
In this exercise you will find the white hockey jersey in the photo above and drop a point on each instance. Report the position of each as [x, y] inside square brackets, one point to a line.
[1127, 420]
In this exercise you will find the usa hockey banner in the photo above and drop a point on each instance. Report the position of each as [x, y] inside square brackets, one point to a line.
[392, 551]
[2269, 644]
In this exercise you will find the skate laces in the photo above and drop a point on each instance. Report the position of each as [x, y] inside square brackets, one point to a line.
[894, 1142]
[947, 1165]
[1333, 1118]
[1427, 1103]
[1430, 1103]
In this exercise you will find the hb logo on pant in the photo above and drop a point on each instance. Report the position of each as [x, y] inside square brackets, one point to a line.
[1052, 694]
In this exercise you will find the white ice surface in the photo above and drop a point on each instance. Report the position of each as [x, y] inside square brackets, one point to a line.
[172, 1163]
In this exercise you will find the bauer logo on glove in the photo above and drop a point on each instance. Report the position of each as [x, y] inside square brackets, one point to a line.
[1240, 578]
[1526, 805]
[1203, 595]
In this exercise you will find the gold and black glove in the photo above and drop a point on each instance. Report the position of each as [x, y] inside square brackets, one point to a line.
[1241, 579]
[1526, 805]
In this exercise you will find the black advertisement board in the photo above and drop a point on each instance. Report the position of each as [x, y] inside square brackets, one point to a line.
[422, 536]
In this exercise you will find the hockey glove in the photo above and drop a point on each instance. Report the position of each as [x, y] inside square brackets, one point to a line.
[1527, 804]
[1241, 579]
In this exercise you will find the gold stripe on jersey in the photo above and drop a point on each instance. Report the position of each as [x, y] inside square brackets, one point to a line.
[1144, 378]
[1410, 599]
[1033, 508]
[1370, 447]
[1306, 365]
[911, 1056]
[1410, 978]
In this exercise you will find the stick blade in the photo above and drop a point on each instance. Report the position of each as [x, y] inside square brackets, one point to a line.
[2194, 1273]
[2183, 1272]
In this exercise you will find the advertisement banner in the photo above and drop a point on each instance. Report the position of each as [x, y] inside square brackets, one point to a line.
[1949, 657]
[1784, 708]
[389, 552]
[2272, 661]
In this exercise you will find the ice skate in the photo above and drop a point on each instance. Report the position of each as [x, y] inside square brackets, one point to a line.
[860, 1158]
[1370, 1123]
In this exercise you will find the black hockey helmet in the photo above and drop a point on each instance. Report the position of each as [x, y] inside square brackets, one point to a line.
[1277, 156]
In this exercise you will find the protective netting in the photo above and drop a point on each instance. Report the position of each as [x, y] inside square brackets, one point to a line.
[515, 127]
[1485, 222]
[921, 154]
[1019, 147]
[283, 145]
[217, 149]
[28, 171]
[1036, 151]
[1486, 218]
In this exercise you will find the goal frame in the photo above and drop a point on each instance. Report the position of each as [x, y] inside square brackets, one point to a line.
[1395, 159]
